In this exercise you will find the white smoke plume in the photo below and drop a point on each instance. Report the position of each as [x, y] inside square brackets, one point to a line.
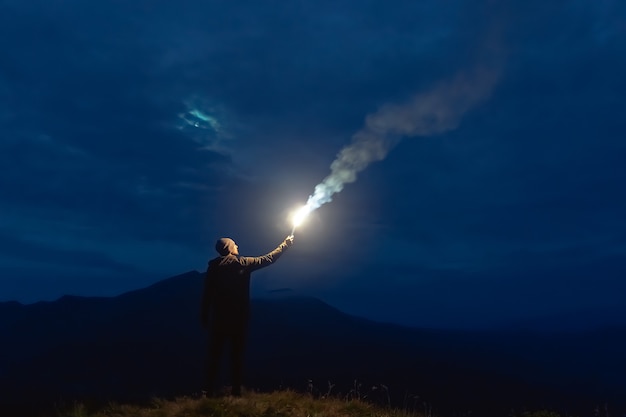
[436, 111]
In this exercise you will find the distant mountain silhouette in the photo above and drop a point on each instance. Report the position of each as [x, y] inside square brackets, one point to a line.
[148, 343]
[577, 321]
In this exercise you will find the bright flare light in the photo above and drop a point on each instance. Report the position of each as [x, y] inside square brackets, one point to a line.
[299, 216]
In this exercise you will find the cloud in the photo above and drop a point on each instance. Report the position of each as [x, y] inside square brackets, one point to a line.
[29, 252]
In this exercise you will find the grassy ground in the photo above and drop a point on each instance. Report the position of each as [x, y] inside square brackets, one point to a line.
[276, 404]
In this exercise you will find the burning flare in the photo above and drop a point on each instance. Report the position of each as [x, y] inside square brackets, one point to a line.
[298, 216]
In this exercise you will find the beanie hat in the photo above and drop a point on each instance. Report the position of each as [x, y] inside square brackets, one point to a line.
[225, 246]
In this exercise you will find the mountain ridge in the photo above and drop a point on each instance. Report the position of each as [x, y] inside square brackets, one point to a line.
[148, 342]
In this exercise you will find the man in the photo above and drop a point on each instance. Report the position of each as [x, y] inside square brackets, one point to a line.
[226, 306]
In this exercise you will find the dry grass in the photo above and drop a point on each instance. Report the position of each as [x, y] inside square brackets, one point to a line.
[284, 403]
[276, 404]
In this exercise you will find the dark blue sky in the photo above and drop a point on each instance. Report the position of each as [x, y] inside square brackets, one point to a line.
[133, 134]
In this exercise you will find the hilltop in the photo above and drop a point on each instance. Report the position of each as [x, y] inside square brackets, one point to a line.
[275, 404]
[284, 403]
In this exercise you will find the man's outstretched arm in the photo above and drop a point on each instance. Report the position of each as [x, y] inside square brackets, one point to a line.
[258, 262]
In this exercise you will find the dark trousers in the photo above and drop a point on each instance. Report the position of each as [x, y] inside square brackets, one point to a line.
[221, 336]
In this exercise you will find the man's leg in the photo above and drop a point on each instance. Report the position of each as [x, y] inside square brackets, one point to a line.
[238, 347]
[216, 345]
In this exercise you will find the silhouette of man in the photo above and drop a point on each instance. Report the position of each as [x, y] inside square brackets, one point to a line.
[226, 306]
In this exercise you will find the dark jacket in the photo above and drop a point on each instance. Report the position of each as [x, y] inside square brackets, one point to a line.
[226, 297]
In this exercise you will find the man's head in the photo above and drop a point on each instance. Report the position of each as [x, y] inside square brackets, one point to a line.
[225, 246]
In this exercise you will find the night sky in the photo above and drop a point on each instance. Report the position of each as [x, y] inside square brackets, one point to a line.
[133, 134]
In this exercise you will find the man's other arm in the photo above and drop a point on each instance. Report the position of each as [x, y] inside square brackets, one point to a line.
[207, 296]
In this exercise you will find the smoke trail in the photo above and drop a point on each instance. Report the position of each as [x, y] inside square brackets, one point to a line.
[436, 111]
